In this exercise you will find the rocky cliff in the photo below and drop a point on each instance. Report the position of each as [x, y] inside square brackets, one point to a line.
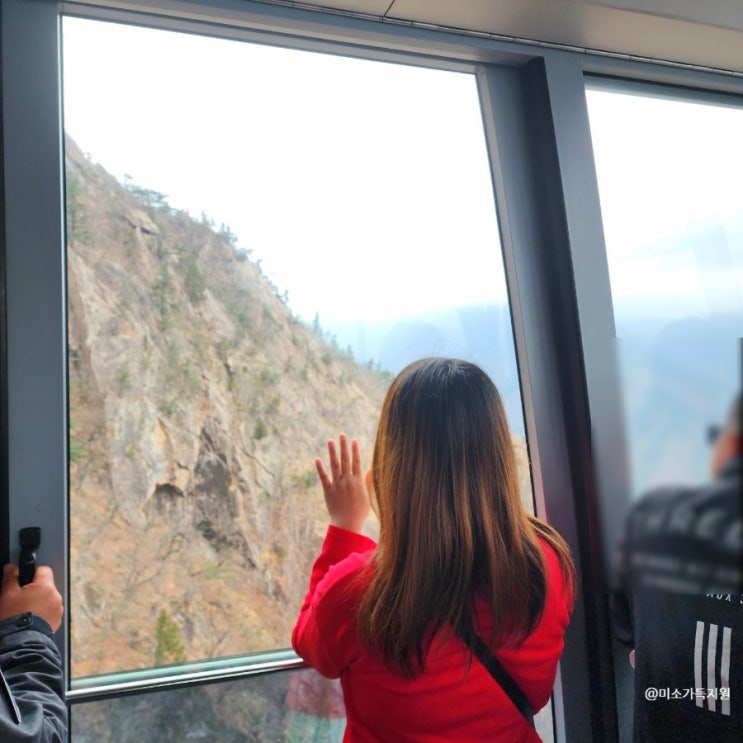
[197, 404]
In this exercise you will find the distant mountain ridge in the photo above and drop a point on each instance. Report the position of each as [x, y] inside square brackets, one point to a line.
[481, 333]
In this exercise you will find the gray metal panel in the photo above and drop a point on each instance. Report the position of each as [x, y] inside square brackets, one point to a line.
[307, 29]
[662, 74]
[593, 291]
[34, 229]
[534, 208]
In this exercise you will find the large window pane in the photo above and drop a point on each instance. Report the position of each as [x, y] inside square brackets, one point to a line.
[669, 181]
[258, 238]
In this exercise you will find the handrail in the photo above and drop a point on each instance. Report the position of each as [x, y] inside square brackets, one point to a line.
[140, 681]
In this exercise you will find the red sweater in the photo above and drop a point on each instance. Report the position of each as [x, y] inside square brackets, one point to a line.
[439, 705]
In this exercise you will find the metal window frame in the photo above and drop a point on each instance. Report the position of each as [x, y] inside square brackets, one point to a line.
[538, 135]
[34, 485]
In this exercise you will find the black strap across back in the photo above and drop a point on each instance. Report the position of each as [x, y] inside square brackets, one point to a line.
[496, 670]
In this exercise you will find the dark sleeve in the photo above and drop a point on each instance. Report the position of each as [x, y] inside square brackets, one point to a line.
[620, 610]
[620, 597]
[32, 706]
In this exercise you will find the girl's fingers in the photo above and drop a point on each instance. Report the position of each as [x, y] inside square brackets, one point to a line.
[345, 457]
[322, 474]
[355, 459]
[347, 461]
[335, 467]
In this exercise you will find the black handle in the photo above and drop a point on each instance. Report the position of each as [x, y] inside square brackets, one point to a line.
[30, 539]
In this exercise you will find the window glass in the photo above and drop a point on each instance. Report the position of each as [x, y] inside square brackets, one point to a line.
[292, 707]
[669, 182]
[258, 239]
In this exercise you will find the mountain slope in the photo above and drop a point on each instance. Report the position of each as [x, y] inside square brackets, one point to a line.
[197, 403]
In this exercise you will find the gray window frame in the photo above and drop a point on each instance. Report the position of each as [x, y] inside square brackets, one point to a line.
[536, 121]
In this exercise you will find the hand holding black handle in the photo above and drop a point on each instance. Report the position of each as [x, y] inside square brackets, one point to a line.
[30, 538]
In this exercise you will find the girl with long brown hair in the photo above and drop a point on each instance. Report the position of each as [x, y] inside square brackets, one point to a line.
[459, 563]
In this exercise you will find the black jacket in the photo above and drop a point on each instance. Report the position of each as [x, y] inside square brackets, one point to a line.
[681, 606]
[32, 708]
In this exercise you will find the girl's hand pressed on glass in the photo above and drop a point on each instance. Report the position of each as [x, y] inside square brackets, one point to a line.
[346, 496]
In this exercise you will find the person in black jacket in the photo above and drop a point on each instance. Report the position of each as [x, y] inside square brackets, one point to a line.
[680, 604]
[32, 708]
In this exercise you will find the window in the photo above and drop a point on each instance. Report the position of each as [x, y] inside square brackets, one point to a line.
[668, 169]
[258, 239]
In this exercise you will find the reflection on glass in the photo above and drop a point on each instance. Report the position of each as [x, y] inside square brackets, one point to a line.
[669, 181]
[258, 239]
[294, 707]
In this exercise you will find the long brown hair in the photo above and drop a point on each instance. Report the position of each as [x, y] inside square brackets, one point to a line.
[445, 488]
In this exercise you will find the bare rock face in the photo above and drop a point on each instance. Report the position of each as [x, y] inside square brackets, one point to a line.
[141, 221]
[197, 404]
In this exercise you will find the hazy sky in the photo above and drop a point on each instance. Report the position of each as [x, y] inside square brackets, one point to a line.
[363, 187]
[670, 184]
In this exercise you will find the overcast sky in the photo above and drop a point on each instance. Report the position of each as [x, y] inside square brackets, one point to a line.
[363, 187]
[669, 178]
